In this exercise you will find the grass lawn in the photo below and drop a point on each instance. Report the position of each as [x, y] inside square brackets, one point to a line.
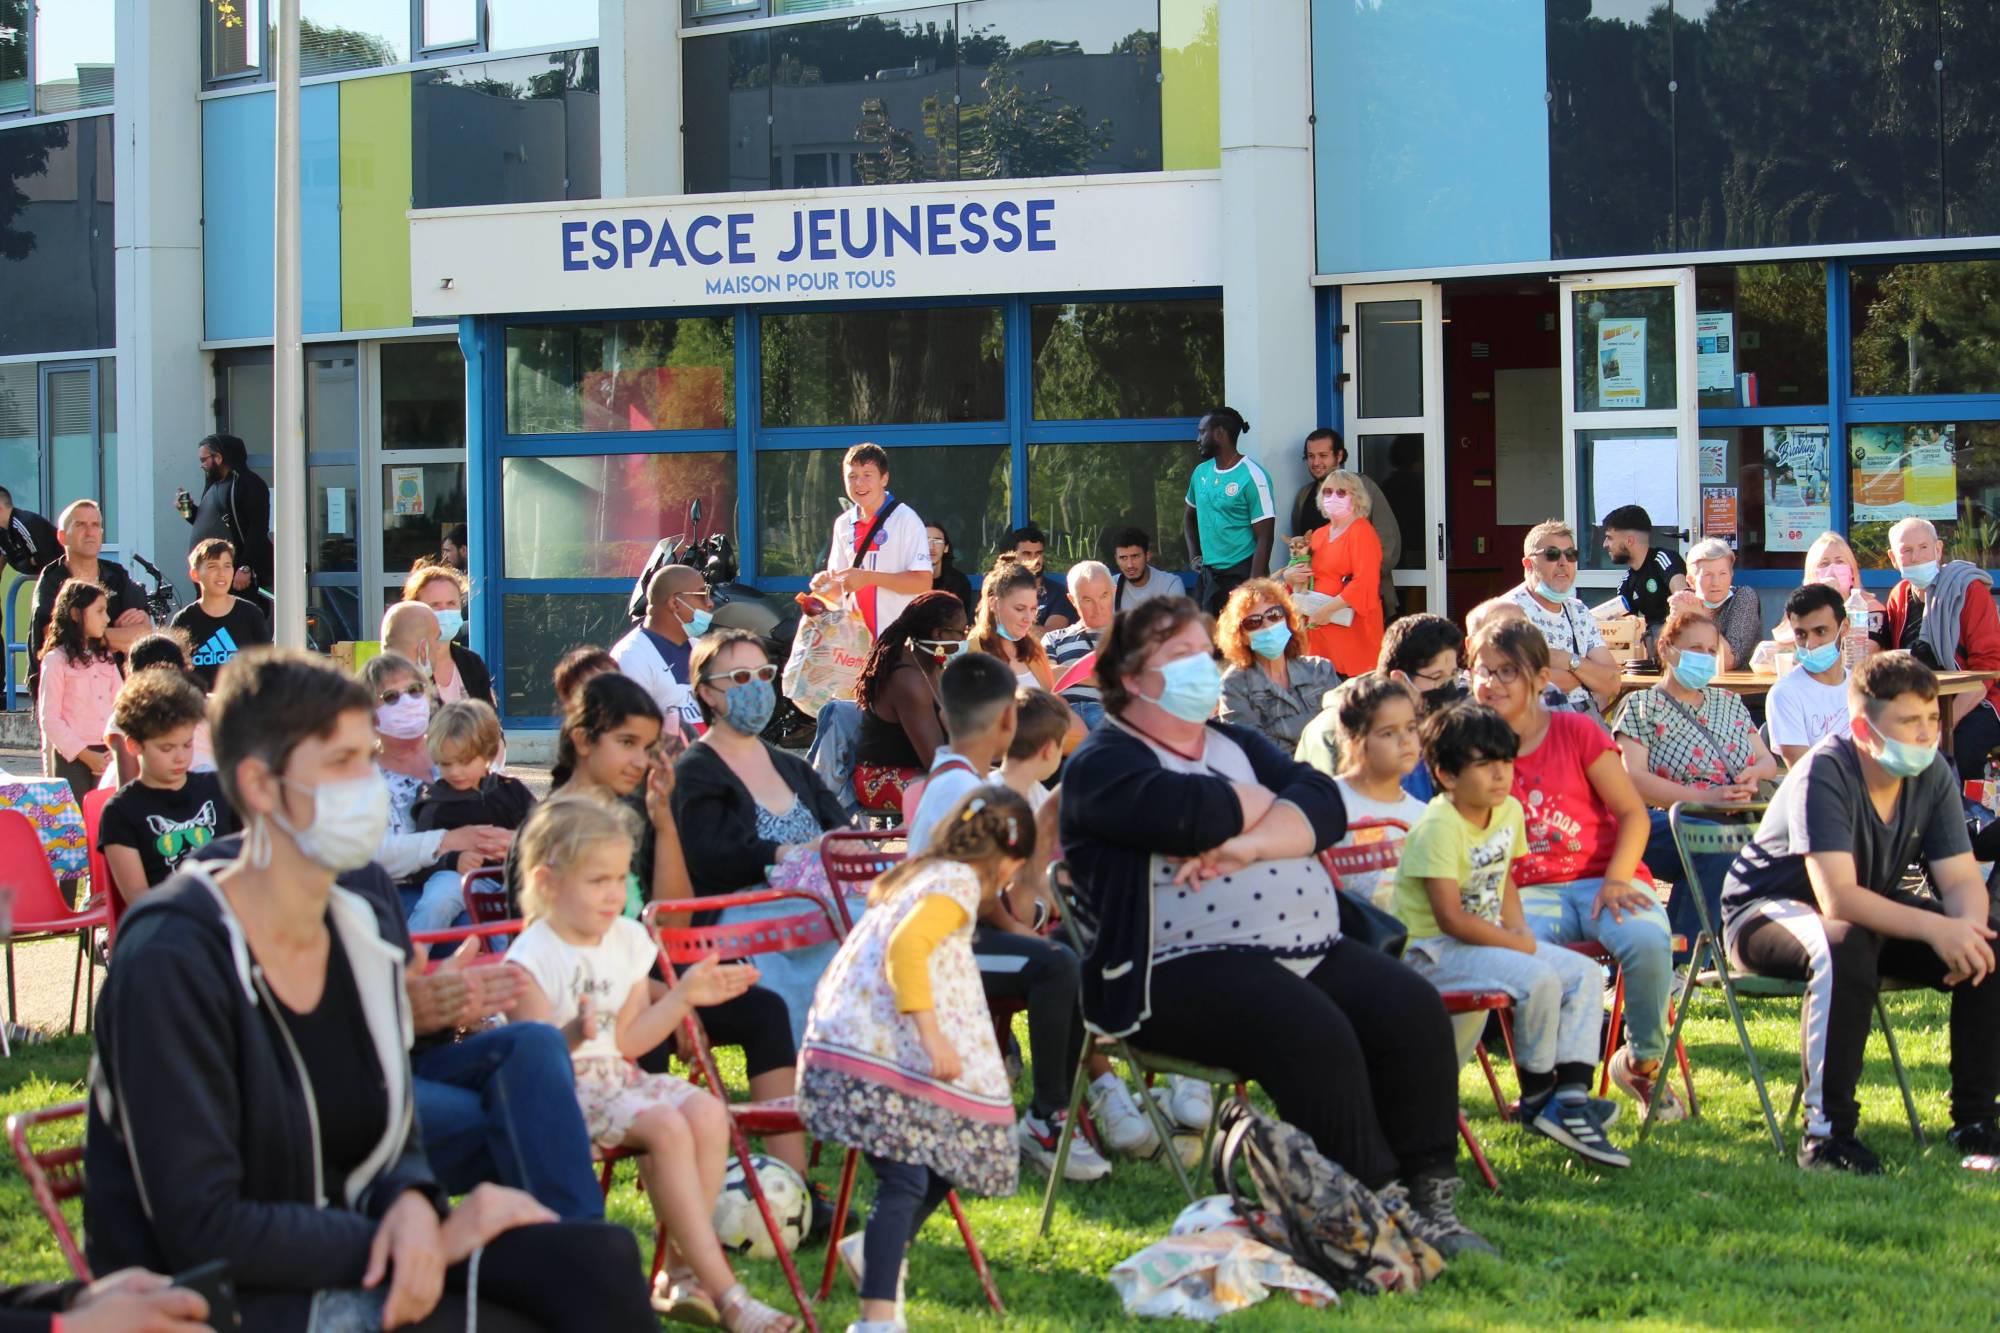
[1708, 1228]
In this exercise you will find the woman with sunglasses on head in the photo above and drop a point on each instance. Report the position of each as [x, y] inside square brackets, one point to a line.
[1579, 663]
[1346, 566]
[897, 692]
[402, 717]
[1584, 878]
[1272, 685]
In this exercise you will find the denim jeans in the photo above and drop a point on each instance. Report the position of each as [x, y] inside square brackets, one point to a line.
[1560, 914]
[1558, 994]
[440, 905]
[501, 1106]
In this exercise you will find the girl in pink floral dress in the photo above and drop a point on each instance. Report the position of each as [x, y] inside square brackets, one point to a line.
[899, 1058]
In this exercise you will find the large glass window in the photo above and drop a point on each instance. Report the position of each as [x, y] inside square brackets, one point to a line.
[648, 374]
[337, 35]
[1945, 471]
[599, 516]
[1925, 328]
[1055, 88]
[20, 434]
[887, 367]
[539, 627]
[513, 24]
[864, 101]
[1624, 346]
[727, 90]
[1611, 163]
[56, 197]
[1971, 132]
[13, 55]
[1760, 335]
[450, 22]
[505, 131]
[423, 395]
[1121, 359]
[800, 493]
[235, 38]
[1081, 494]
[73, 47]
[419, 501]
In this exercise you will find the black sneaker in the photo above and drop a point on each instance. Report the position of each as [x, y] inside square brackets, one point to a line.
[1433, 1202]
[1979, 1137]
[1570, 1121]
[1838, 1152]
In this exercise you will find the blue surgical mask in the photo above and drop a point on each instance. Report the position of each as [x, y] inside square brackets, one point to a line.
[748, 707]
[1712, 605]
[1902, 758]
[1920, 576]
[1818, 659]
[698, 621]
[1695, 670]
[1269, 642]
[1193, 687]
[1548, 594]
[449, 624]
[1005, 633]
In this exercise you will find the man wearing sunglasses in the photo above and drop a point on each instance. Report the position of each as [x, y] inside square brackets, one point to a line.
[1580, 665]
[655, 652]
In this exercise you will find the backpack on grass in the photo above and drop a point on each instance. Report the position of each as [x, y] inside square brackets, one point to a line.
[1331, 1223]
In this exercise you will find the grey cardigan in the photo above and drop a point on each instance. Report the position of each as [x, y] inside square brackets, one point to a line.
[1250, 698]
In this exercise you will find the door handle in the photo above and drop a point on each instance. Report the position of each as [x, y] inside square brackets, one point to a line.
[1683, 534]
[1440, 541]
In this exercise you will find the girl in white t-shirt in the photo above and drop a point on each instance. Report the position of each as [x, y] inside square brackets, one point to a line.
[1377, 717]
[587, 966]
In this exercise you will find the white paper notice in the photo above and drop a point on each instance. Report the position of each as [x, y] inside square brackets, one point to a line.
[1714, 351]
[1641, 472]
[336, 511]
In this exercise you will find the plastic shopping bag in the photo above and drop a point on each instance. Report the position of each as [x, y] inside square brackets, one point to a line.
[827, 654]
[1210, 1266]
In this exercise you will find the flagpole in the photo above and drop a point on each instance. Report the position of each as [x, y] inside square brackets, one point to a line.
[288, 443]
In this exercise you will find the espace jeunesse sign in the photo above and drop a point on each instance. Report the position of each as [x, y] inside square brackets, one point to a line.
[1096, 234]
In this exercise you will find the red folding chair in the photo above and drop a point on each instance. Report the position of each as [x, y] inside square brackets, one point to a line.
[484, 892]
[853, 858]
[40, 912]
[684, 945]
[54, 1175]
[454, 935]
[101, 886]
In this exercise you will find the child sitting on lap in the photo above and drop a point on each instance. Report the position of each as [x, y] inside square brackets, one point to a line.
[1455, 892]
[464, 740]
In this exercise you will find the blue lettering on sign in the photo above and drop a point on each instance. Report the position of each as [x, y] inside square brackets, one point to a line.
[814, 235]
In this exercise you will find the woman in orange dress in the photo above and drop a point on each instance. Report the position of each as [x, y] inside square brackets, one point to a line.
[1346, 566]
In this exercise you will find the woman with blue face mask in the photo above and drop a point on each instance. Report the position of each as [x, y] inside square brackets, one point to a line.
[1192, 848]
[1009, 600]
[1688, 740]
[1272, 684]
[455, 670]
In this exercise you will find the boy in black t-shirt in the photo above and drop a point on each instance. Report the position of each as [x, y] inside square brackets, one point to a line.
[464, 740]
[220, 624]
[1817, 897]
[160, 817]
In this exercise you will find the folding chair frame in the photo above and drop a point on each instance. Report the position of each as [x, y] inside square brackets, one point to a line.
[1701, 830]
[53, 1174]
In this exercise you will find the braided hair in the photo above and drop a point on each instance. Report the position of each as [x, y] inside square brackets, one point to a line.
[992, 822]
[926, 617]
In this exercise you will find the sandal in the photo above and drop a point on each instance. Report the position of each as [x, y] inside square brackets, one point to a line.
[683, 1300]
[744, 1313]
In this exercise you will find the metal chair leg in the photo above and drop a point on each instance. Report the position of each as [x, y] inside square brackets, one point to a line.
[76, 977]
[1063, 1140]
[1478, 1156]
[1680, 1013]
[840, 1203]
[1720, 957]
[1902, 1078]
[972, 1251]
[1161, 1128]
[1611, 1042]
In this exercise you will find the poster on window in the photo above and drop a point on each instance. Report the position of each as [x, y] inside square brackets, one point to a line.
[1904, 472]
[1718, 512]
[1714, 351]
[1714, 462]
[1797, 478]
[406, 491]
[1621, 363]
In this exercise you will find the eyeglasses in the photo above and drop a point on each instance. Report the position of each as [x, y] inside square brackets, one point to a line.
[1508, 674]
[1555, 553]
[699, 595]
[389, 697]
[1258, 620]
[1434, 678]
[741, 675]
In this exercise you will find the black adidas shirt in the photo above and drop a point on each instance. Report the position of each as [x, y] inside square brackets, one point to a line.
[1647, 588]
[164, 827]
[217, 639]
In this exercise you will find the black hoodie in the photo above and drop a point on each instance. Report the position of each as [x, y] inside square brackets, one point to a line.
[202, 1142]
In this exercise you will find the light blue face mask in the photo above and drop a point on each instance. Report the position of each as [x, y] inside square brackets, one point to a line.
[1818, 659]
[1548, 594]
[1005, 633]
[698, 621]
[1695, 670]
[1192, 689]
[1920, 576]
[1269, 642]
[449, 624]
[1713, 605]
[1902, 758]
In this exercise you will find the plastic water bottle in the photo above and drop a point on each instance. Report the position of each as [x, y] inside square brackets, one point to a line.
[1854, 643]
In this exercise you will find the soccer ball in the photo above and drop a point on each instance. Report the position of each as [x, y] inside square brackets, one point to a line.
[737, 1223]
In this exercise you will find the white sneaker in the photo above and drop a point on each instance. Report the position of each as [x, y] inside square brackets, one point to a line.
[1120, 1123]
[1038, 1137]
[852, 1259]
[1189, 1102]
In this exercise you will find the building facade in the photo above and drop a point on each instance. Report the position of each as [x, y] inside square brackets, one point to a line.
[571, 267]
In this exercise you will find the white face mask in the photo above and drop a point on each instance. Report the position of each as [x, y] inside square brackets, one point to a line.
[350, 819]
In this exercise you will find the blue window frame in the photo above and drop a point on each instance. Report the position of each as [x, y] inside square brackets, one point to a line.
[1002, 454]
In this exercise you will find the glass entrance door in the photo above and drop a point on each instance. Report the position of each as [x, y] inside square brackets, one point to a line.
[1630, 410]
[1392, 349]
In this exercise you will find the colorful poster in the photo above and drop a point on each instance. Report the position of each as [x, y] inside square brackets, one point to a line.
[1714, 351]
[1718, 512]
[1904, 472]
[1621, 363]
[406, 491]
[1714, 462]
[1797, 479]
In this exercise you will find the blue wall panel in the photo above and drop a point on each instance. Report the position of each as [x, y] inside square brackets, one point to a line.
[1432, 133]
[239, 172]
[319, 207]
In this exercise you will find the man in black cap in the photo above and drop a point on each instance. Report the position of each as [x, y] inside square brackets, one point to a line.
[1652, 573]
[235, 505]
